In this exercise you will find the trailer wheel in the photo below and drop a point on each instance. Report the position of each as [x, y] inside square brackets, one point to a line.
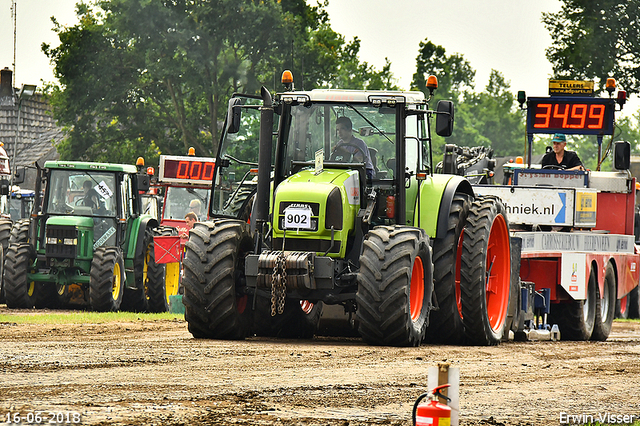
[485, 276]
[445, 322]
[395, 285]
[634, 302]
[20, 293]
[605, 306]
[106, 283]
[298, 321]
[576, 319]
[215, 305]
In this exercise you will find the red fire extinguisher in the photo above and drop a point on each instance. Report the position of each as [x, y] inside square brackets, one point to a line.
[391, 206]
[434, 413]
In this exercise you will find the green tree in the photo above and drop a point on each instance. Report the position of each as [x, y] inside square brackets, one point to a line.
[596, 40]
[144, 77]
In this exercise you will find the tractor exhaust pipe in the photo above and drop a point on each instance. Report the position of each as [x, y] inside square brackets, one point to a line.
[261, 209]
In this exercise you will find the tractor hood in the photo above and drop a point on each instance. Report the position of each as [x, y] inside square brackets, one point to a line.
[79, 221]
[317, 211]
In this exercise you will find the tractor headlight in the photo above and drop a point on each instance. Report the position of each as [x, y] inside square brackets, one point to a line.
[52, 240]
[70, 241]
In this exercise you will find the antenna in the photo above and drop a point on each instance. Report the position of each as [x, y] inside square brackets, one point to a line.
[14, 14]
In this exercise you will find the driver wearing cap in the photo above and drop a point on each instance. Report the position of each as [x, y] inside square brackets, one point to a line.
[561, 158]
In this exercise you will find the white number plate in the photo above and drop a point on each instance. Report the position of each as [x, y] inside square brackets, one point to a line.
[297, 217]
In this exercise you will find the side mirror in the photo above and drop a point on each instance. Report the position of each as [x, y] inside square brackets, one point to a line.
[622, 155]
[143, 182]
[4, 186]
[234, 113]
[19, 177]
[444, 118]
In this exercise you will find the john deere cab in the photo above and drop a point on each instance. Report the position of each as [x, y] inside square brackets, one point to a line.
[357, 226]
[88, 242]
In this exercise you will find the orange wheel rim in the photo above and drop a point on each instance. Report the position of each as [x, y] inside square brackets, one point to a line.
[241, 303]
[623, 305]
[457, 274]
[498, 273]
[416, 293]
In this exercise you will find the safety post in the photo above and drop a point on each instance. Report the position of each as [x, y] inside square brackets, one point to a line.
[442, 374]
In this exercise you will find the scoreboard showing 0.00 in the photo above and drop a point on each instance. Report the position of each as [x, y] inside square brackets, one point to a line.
[575, 115]
[181, 169]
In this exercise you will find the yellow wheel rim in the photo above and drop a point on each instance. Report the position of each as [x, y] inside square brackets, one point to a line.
[171, 279]
[117, 282]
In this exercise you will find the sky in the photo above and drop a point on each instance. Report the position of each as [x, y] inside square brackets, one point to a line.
[505, 35]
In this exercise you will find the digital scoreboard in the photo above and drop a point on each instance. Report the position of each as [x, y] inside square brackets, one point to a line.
[571, 115]
[186, 169]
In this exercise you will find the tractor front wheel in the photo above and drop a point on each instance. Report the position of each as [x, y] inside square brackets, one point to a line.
[106, 285]
[215, 306]
[20, 293]
[395, 285]
[485, 274]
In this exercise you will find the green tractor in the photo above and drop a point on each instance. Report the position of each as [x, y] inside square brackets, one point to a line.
[88, 243]
[407, 255]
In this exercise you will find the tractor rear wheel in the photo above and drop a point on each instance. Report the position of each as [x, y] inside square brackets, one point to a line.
[20, 293]
[445, 322]
[395, 285]
[5, 231]
[605, 306]
[19, 232]
[576, 318]
[215, 306]
[106, 285]
[485, 274]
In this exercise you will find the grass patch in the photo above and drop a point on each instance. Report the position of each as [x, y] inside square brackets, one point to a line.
[84, 317]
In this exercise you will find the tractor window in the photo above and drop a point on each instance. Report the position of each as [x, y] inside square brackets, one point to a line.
[81, 193]
[235, 181]
[180, 201]
[127, 197]
[315, 128]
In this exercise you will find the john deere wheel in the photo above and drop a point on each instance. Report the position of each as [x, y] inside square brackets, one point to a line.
[445, 323]
[576, 318]
[106, 284]
[395, 285]
[605, 306]
[20, 293]
[485, 274]
[213, 268]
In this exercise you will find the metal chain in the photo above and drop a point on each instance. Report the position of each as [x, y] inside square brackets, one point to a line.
[278, 285]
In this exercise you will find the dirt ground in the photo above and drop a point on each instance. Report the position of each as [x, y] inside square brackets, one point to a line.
[145, 373]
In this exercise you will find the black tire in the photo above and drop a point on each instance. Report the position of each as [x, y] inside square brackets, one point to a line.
[395, 285]
[634, 303]
[445, 322]
[574, 321]
[622, 307]
[20, 293]
[484, 296]
[19, 232]
[215, 306]
[106, 285]
[298, 321]
[605, 306]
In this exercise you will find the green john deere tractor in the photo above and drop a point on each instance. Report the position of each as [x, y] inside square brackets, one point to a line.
[88, 243]
[406, 255]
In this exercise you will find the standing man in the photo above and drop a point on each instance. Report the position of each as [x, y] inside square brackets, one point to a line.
[561, 158]
[191, 219]
[348, 143]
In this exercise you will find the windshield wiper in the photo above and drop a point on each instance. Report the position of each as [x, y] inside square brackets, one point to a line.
[370, 123]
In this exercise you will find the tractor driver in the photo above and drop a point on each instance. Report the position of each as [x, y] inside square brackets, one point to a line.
[561, 158]
[91, 198]
[349, 146]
